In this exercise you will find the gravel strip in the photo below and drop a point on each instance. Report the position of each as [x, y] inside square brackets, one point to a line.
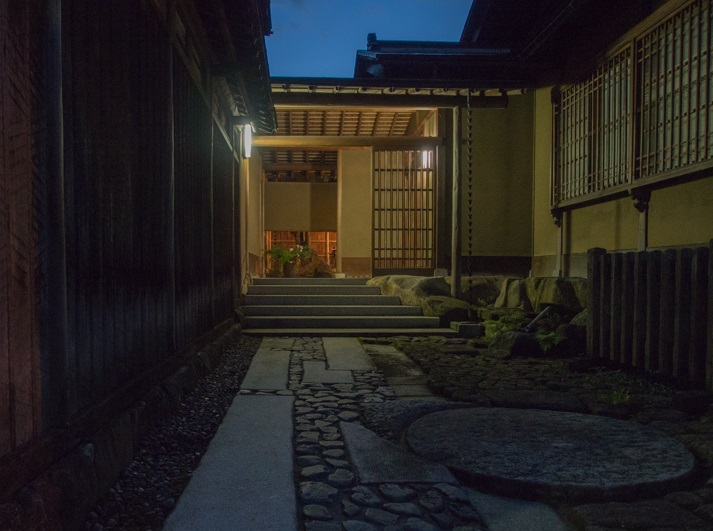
[148, 489]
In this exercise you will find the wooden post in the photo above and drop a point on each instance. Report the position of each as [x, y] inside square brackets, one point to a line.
[642, 199]
[638, 345]
[682, 314]
[627, 309]
[667, 311]
[594, 259]
[455, 223]
[55, 400]
[698, 323]
[653, 309]
[615, 285]
[559, 218]
[709, 349]
[605, 308]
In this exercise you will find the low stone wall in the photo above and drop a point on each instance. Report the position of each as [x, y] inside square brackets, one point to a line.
[432, 294]
[61, 497]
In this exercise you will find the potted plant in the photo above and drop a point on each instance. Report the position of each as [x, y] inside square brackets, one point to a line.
[288, 259]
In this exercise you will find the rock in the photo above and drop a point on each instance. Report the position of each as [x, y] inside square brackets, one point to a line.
[364, 497]
[550, 400]
[685, 499]
[570, 293]
[513, 294]
[572, 341]
[341, 478]
[448, 309]
[318, 512]
[348, 416]
[581, 319]
[416, 524]
[350, 509]
[408, 509]
[582, 364]
[315, 267]
[432, 501]
[480, 289]
[317, 492]
[452, 492]
[517, 344]
[318, 525]
[314, 472]
[379, 516]
[358, 525]
[397, 493]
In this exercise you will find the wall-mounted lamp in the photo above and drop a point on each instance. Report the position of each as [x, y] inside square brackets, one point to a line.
[246, 127]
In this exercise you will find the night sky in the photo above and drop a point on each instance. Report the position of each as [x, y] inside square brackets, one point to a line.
[319, 38]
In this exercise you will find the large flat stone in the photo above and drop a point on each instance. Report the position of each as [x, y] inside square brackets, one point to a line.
[316, 372]
[507, 514]
[346, 354]
[548, 454]
[268, 370]
[379, 461]
[279, 343]
[651, 514]
[245, 479]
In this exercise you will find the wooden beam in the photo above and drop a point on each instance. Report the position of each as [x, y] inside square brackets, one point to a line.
[307, 99]
[332, 142]
[298, 166]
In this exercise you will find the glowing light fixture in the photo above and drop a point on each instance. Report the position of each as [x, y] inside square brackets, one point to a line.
[426, 158]
[247, 129]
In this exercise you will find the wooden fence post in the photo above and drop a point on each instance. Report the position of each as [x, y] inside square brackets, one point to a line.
[653, 309]
[699, 300]
[627, 309]
[615, 283]
[667, 310]
[682, 314]
[594, 258]
[605, 308]
[709, 349]
[638, 340]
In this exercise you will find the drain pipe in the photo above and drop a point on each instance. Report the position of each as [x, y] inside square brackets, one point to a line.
[455, 223]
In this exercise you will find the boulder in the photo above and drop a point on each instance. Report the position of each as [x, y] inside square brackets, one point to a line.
[315, 267]
[513, 294]
[480, 289]
[581, 319]
[411, 289]
[570, 293]
[572, 341]
[517, 344]
[447, 309]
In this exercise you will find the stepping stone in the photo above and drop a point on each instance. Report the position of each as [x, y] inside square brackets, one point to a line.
[542, 454]
[506, 514]
[253, 486]
[346, 354]
[279, 343]
[379, 461]
[315, 372]
[268, 370]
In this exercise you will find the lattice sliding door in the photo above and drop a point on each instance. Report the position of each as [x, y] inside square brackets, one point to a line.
[404, 210]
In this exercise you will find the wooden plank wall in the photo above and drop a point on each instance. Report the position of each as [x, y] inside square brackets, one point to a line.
[652, 310]
[150, 210]
[20, 199]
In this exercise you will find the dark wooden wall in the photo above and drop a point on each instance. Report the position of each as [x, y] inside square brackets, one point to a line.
[148, 217]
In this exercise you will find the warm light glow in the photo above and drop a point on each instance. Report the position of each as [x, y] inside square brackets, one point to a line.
[426, 158]
[247, 140]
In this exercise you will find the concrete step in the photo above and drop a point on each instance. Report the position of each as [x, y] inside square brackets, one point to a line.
[332, 310]
[294, 321]
[309, 281]
[349, 332]
[321, 300]
[320, 289]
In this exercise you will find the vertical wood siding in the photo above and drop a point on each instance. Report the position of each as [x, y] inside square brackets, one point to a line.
[651, 310]
[149, 209]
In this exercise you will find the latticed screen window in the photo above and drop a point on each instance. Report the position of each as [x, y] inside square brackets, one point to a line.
[404, 209]
[646, 112]
[675, 80]
[594, 131]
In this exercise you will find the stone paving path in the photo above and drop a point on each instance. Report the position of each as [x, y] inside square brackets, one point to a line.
[297, 451]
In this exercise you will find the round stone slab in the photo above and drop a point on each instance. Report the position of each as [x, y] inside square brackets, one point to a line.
[539, 454]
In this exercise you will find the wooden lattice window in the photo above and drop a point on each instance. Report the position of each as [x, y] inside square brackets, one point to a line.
[593, 121]
[675, 82]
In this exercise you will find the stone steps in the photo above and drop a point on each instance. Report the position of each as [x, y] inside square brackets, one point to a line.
[330, 307]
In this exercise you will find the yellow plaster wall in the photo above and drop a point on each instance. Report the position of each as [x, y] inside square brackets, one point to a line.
[682, 214]
[502, 180]
[613, 225]
[544, 230]
[355, 209]
[301, 206]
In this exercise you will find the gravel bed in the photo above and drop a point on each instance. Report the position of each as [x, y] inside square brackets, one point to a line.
[148, 489]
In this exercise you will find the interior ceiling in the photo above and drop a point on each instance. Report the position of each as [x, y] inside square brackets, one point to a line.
[347, 121]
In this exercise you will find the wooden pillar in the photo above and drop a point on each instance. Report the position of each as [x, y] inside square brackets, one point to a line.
[455, 224]
[55, 399]
[641, 203]
[558, 216]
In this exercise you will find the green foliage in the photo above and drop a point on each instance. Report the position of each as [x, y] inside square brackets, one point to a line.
[547, 341]
[618, 397]
[280, 256]
[508, 322]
